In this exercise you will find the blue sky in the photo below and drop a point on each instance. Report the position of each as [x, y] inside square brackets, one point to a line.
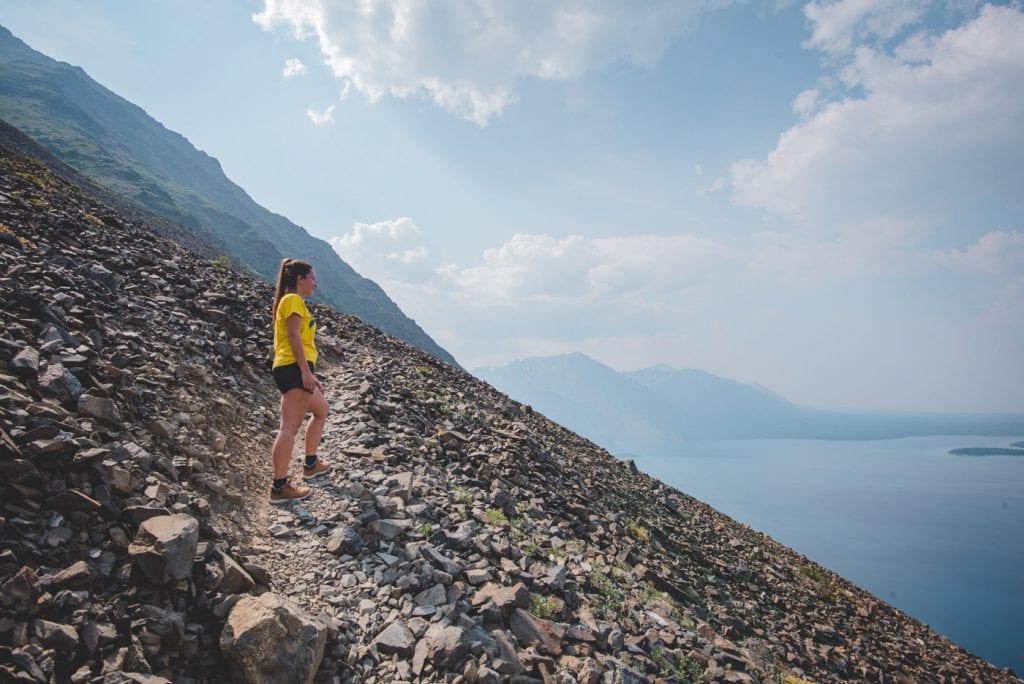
[825, 198]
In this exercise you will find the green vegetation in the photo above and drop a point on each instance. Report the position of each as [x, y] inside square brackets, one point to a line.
[41, 181]
[814, 573]
[543, 607]
[637, 531]
[462, 496]
[495, 516]
[818, 575]
[23, 240]
[649, 595]
[680, 666]
[610, 596]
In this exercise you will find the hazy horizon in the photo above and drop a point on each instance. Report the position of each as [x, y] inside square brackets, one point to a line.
[822, 198]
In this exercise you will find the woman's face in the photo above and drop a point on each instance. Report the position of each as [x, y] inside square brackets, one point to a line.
[305, 285]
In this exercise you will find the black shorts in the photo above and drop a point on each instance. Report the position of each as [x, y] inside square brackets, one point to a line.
[288, 377]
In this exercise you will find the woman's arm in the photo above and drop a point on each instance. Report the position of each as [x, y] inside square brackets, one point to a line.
[293, 325]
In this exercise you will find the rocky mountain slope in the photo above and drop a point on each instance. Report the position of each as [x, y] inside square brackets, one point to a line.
[461, 537]
[117, 144]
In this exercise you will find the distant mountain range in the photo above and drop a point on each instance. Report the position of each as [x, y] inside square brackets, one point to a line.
[653, 411]
[118, 145]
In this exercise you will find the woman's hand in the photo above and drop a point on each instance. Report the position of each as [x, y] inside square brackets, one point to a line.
[309, 381]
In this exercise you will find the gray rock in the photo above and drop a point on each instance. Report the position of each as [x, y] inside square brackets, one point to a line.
[534, 631]
[269, 640]
[164, 548]
[55, 635]
[25, 363]
[73, 500]
[448, 645]
[102, 409]
[73, 575]
[236, 580]
[389, 529]
[344, 540]
[440, 561]
[105, 277]
[462, 537]
[396, 639]
[434, 596]
[58, 383]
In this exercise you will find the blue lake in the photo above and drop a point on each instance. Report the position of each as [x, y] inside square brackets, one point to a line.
[940, 537]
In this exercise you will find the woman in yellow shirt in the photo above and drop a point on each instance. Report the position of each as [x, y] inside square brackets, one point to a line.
[295, 357]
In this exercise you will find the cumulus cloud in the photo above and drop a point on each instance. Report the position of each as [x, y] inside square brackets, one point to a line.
[321, 118]
[294, 67]
[466, 55]
[996, 253]
[385, 250]
[579, 271]
[838, 25]
[940, 122]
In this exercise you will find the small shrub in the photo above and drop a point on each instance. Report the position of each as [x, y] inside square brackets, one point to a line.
[637, 531]
[610, 596]
[543, 607]
[495, 516]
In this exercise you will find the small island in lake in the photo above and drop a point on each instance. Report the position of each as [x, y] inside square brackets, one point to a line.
[989, 451]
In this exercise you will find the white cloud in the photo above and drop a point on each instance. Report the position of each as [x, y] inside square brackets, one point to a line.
[838, 25]
[294, 67]
[578, 271]
[941, 122]
[384, 250]
[321, 118]
[806, 103]
[466, 55]
[996, 253]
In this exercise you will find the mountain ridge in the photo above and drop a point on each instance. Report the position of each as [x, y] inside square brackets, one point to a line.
[117, 144]
[689, 405]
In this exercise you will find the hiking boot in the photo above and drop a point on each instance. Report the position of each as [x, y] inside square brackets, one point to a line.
[288, 493]
[318, 469]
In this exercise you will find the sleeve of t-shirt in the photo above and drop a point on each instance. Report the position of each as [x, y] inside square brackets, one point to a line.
[290, 304]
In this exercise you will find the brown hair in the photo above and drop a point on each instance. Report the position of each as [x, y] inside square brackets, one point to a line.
[287, 278]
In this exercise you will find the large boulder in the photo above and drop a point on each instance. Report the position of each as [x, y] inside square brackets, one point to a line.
[270, 640]
[165, 547]
[100, 408]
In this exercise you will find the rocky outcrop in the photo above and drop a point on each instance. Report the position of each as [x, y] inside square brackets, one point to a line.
[461, 537]
[271, 641]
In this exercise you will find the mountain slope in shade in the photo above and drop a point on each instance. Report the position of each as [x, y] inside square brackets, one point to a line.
[654, 410]
[117, 144]
[599, 402]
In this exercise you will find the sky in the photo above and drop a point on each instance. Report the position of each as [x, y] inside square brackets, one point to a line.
[825, 198]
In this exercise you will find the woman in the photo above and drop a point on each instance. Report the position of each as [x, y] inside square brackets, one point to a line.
[295, 355]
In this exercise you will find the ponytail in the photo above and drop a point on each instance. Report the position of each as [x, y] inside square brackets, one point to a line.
[287, 277]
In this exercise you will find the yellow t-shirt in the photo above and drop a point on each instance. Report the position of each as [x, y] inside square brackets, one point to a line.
[293, 304]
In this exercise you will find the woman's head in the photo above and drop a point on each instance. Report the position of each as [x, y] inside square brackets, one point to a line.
[293, 275]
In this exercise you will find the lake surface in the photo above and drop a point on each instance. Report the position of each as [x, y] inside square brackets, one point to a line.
[939, 536]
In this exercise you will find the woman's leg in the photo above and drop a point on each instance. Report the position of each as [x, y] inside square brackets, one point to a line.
[315, 426]
[294, 403]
